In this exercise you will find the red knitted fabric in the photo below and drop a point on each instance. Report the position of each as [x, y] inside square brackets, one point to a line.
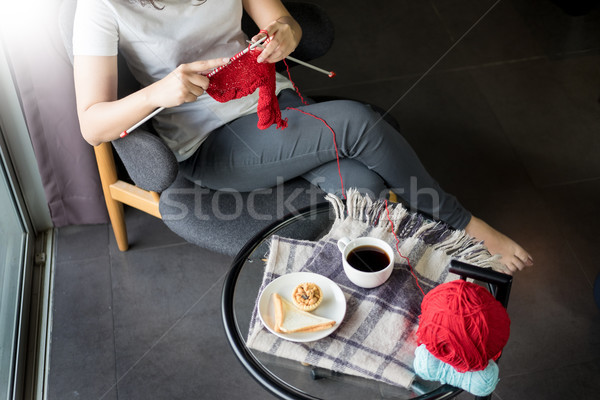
[242, 77]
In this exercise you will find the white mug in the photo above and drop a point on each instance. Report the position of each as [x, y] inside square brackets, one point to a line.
[359, 274]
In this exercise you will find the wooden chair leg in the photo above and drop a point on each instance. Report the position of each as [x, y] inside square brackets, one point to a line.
[117, 220]
[108, 176]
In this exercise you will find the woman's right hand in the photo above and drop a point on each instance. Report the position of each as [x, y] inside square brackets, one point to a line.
[184, 84]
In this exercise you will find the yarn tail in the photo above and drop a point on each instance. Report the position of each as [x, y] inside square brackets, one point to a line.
[287, 67]
[412, 271]
[337, 155]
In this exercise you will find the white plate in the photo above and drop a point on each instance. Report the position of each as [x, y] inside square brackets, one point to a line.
[333, 305]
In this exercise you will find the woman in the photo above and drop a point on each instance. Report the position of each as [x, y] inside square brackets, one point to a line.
[171, 45]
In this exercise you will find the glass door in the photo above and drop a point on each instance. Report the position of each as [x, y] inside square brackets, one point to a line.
[14, 242]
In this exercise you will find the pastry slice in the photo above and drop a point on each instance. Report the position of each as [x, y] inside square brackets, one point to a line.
[289, 319]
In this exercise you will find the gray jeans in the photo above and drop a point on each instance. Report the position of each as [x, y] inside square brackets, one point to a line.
[374, 157]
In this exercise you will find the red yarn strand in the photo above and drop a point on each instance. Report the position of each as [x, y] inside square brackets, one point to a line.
[337, 156]
[387, 210]
[340, 172]
[287, 67]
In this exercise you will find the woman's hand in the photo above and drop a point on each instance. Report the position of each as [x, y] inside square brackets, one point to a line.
[184, 84]
[285, 35]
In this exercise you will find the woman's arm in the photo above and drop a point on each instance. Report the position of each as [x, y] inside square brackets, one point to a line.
[102, 117]
[272, 16]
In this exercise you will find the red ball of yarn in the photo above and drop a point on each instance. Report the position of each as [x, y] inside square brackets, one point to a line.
[463, 325]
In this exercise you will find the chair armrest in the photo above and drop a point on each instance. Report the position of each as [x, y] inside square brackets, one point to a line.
[500, 283]
[148, 160]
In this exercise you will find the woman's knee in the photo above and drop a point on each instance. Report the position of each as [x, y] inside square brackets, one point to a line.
[351, 174]
[353, 111]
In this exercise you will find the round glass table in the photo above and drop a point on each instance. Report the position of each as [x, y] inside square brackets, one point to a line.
[285, 378]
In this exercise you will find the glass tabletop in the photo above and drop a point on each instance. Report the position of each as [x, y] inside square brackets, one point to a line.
[286, 378]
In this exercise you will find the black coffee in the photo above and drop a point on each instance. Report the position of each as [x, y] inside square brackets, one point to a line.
[368, 258]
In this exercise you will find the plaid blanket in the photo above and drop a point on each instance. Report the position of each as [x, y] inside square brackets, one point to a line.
[377, 336]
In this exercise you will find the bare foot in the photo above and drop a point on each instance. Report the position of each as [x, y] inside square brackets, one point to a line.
[514, 257]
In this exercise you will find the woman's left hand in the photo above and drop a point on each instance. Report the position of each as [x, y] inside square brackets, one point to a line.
[284, 39]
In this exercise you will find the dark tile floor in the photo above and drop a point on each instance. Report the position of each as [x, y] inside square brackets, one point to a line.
[501, 101]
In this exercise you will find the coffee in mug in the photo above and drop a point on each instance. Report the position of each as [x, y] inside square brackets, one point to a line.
[368, 262]
[368, 258]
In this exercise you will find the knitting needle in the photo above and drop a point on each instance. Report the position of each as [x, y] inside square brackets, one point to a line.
[330, 74]
[211, 74]
[238, 55]
[152, 114]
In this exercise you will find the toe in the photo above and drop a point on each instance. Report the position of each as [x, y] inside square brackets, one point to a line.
[518, 263]
[510, 269]
[524, 257]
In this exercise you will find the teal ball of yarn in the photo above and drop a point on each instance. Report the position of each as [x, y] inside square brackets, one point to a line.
[479, 383]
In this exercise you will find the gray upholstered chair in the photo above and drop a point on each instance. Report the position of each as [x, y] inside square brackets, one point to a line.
[219, 221]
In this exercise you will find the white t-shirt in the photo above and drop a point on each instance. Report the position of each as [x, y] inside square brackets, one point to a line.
[154, 42]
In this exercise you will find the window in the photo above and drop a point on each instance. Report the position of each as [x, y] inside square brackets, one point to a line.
[25, 254]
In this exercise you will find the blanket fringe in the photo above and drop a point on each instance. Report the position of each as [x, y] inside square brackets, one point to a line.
[337, 204]
[456, 243]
